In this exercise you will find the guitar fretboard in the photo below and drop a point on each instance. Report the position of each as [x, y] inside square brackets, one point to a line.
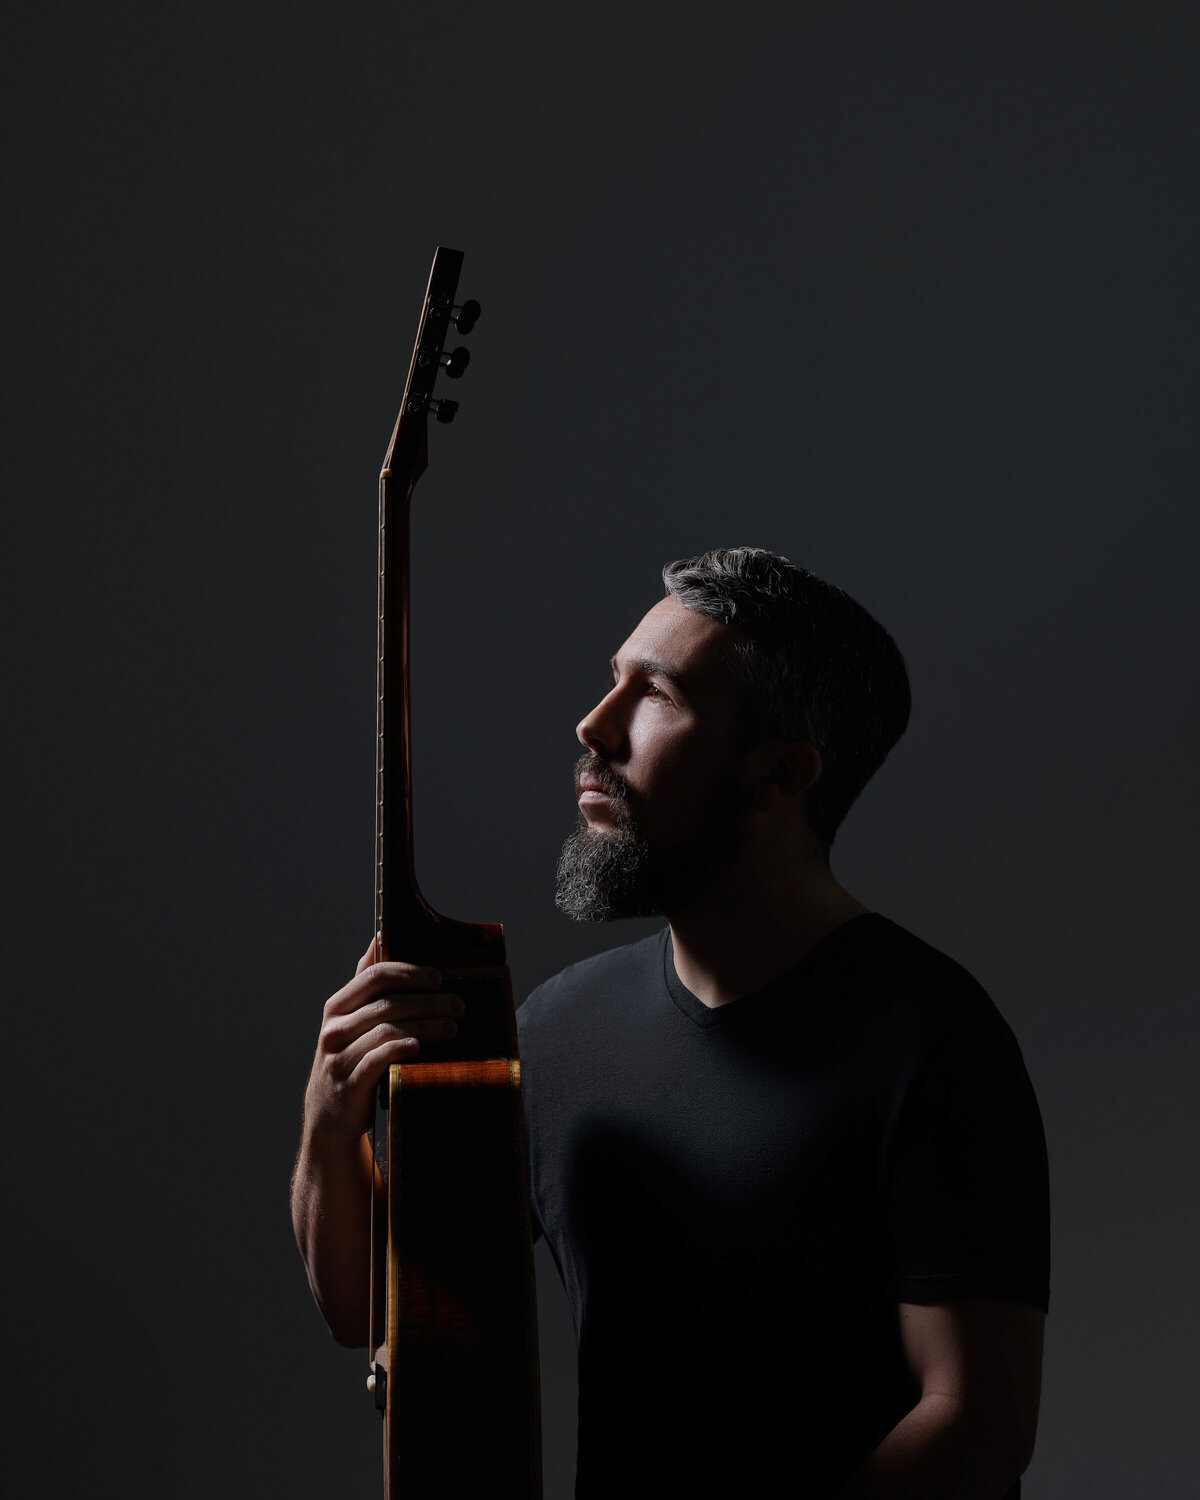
[402, 468]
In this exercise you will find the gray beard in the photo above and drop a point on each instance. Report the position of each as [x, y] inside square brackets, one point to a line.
[604, 877]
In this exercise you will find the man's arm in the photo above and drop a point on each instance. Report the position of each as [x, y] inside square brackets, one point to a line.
[970, 1436]
[381, 1017]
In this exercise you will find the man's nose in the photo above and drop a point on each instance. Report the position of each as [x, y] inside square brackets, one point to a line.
[600, 730]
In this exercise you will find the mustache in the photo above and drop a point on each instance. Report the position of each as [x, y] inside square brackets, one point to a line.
[598, 770]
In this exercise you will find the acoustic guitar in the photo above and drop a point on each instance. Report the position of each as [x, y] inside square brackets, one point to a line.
[453, 1336]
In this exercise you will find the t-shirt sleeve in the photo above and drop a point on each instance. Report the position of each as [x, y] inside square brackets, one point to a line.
[968, 1186]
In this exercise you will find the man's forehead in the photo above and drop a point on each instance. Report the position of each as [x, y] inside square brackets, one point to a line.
[680, 638]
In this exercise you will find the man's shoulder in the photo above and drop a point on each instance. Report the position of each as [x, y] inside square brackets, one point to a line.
[894, 952]
[616, 969]
[924, 985]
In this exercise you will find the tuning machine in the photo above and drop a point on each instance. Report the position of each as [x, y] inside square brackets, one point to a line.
[456, 361]
[444, 409]
[466, 316]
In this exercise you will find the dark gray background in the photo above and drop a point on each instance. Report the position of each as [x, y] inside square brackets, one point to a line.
[907, 293]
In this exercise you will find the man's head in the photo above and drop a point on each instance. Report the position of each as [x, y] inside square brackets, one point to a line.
[752, 686]
[814, 666]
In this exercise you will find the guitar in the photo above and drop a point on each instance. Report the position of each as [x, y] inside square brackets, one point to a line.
[453, 1335]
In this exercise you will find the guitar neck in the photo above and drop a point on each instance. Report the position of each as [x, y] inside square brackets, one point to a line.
[396, 890]
[408, 926]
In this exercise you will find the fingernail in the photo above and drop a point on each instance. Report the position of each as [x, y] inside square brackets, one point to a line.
[449, 1027]
[456, 1005]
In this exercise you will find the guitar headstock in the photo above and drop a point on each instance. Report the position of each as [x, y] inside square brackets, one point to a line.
[406, 455]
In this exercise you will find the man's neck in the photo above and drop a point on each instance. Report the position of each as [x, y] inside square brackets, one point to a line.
[756, 926]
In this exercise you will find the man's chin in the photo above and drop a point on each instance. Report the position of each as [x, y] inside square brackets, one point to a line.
[605, 873]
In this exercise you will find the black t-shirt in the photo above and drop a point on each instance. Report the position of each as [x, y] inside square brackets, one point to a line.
[738, 1197]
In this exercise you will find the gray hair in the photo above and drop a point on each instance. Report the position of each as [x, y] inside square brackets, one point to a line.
[814, 664]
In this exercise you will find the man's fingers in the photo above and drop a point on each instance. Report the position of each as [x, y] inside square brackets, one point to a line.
[404, 1011]
[378, 1060]
[347, 1064]
[378, 979]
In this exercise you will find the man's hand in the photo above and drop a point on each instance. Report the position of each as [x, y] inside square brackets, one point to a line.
[384, 1015]
[381, 1017]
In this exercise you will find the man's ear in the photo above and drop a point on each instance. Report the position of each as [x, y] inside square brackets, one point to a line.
[781, 768]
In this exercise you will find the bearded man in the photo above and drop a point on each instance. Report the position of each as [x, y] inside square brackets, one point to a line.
[786, 1155]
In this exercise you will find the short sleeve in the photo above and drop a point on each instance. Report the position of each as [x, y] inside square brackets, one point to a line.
[968, 1183]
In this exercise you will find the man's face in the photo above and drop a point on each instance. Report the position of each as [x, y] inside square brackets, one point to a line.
[658, 797]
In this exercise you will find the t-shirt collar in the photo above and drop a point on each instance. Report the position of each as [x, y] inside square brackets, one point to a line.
[831, 949]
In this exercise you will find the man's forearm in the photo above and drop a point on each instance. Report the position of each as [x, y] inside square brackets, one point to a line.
[940, 1451]
[331, 1214]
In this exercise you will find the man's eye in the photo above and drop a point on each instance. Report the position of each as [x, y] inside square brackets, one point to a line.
[654, 691]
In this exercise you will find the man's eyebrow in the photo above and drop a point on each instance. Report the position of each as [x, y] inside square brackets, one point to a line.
[648, 667]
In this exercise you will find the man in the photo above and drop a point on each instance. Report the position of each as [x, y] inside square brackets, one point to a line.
[786, 1156]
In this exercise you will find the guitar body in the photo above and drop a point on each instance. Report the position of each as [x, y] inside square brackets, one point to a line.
[462, 1414]
[453, 1310]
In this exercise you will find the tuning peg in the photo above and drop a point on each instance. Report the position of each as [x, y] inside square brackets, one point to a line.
[456, 362]
[466, 316]
[443, 410]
